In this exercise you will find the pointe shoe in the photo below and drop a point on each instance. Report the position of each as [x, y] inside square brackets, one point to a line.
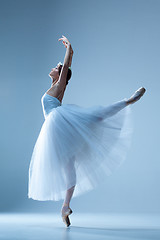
[136, 96]
[66, 218]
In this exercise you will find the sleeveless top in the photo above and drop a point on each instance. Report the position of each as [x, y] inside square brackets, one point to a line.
[49, 103]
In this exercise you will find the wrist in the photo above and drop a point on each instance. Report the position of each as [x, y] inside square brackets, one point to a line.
[68, 44]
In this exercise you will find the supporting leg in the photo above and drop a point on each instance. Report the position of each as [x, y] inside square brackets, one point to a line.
[68, 197]
[66, 210]
[70, 175]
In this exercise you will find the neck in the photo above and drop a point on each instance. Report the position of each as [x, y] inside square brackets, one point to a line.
[54, 80]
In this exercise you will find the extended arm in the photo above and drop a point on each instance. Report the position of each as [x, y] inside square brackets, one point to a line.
[70, 61]
[67, 62]
[66, 43]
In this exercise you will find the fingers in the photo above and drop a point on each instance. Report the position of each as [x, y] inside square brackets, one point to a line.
[65, 42]
[63, 39]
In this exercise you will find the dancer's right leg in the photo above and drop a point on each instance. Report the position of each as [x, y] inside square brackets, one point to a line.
[113, 109]
[116, 107]
[136, 96]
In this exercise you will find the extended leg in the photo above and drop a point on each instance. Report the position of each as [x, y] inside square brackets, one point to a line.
[136, 96]
[116, 107]
[113, 109]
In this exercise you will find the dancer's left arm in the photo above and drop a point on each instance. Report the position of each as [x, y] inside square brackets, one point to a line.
[71, 55]
[66, 43]
[67, 62]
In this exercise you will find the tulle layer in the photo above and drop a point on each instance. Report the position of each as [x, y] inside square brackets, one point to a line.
[78, 146]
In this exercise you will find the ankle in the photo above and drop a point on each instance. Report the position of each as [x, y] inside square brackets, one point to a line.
[128, 101]
[65, 205]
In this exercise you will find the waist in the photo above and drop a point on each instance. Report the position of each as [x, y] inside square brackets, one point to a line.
[49, 103]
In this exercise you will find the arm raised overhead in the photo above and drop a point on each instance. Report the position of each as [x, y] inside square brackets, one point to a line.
[67, 62]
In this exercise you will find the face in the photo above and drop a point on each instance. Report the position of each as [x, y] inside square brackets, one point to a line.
[54, 74]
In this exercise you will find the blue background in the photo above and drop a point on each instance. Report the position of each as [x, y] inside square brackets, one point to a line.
[116, 50]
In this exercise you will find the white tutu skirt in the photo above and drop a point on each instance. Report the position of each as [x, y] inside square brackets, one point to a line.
[78, 147]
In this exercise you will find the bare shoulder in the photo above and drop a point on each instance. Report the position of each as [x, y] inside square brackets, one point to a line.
[56, 91]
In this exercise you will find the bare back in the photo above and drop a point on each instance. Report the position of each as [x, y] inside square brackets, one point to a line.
[56, 91]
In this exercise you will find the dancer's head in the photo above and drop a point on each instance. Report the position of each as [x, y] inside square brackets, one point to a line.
[55, 73]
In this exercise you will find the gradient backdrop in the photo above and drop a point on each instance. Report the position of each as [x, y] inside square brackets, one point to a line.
[116, 47]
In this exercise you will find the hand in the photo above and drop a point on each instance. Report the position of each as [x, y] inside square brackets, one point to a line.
[64, 40]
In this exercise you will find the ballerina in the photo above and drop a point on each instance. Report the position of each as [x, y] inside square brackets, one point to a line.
[77, 147]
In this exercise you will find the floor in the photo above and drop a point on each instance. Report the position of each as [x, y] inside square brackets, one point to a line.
[83, 226]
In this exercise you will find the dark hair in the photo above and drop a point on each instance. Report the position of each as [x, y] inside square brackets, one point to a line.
[69, 74]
